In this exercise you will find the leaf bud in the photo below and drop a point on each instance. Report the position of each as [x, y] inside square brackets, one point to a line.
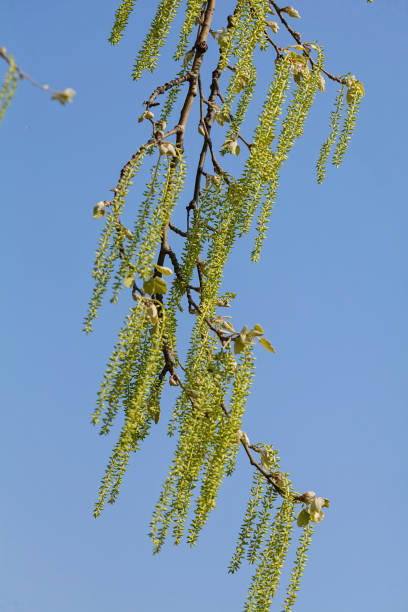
[242, 436]
[307, 497]
[232, 146]
[99, 210]
[152, 314]
[146, 115]
[274, 26]
[321, 83]
[64, 96]
[292, 12]
[168, 148]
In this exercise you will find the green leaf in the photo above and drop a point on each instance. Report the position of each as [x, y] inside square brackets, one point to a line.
[128, 280]
[356, 90]
[163, 270]
[303, 518]
[239, 345]
[160, 285]
[149, 286]
[255, 332]
[266, 344]
[98, 210]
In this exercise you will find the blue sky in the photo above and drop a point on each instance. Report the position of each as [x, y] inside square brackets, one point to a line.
[330, 292]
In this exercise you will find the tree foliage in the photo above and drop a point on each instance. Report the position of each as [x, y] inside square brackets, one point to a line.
[165, 275]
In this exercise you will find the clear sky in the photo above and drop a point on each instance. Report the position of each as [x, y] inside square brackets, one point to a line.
[330, 292]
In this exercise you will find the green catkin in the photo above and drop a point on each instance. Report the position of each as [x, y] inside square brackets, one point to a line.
[300, 563]
[149, 54]
[240, 391]
[193, 12]
[117, 376]
[292, 129]
[137, 416]
[266, 578]
[248, 523]
[261, 529]
[207, 213]
[109, 249]
[198, 427]
[139, 229]
[9, 86]
[235, 30]
[121, 18]
[347, 129]
[328, 144]
[248, 35]
[257, 168]
[171, 99]
[172, 184]
[104, 261]
[242, 106]
[226, 435]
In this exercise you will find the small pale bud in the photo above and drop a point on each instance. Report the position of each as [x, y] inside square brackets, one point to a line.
[317, 516]
[146, 115]
[317, 504]
[201, 129]
[64, 96]
[243, 437]
[173, 382]
[321, 83]
[152, 314]
[274, 26]
[292, 12]
[350, 80]
[308, 497]
[232, 146]
[167, 148]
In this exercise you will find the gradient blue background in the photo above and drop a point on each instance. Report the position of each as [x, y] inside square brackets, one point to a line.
[330, 292]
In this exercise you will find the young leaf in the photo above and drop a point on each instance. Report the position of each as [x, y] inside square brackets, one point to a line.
[239, 345]
[163, 270]
[128, 280]
[149, 286]
[160, 285]
[266, 344]
[303, 518]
